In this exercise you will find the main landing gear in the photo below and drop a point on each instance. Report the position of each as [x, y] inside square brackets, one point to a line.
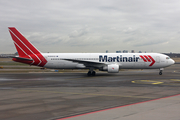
[91, 72]
[160, 71]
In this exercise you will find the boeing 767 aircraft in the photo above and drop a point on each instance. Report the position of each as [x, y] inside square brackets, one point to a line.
[110, 62]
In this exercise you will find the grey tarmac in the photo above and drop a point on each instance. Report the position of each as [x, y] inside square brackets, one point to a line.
[51, 96]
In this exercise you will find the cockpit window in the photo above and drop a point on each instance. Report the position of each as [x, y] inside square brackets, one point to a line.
[167, 57]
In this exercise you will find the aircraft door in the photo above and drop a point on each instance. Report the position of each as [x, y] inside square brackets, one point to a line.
[157, 59]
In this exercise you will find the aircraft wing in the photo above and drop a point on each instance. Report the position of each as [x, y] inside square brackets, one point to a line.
[88, 63]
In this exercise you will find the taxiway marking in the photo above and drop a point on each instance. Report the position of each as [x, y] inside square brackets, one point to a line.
[175, 80]
[147, 82]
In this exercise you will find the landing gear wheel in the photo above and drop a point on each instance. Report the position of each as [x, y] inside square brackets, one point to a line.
[89, 73]
[160, 71]
[93, 73]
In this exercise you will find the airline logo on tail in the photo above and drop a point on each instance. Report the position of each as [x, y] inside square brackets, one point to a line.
[27, 52]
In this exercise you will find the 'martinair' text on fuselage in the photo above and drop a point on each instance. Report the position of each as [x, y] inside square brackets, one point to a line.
[120, 58]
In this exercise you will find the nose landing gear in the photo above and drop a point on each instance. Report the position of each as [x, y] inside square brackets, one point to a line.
[160, 71]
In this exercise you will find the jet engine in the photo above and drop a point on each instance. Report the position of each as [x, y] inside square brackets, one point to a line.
[113, 68]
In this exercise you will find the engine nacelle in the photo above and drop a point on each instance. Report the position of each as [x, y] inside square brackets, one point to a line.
[113, 68]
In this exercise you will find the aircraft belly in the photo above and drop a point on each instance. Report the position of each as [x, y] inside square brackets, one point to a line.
[61, 65]
[66, 65]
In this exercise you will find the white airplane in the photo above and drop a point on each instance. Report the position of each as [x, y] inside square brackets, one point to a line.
[110, 62]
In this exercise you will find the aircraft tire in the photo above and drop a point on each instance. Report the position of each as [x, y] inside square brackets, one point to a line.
[93, 73]
[89, 73]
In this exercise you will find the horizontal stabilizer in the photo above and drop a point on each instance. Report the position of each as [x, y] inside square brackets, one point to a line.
[20, 58]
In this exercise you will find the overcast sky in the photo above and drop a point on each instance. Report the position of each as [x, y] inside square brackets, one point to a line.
[92, 25]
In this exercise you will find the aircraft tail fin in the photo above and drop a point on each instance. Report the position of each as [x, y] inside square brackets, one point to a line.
[23, 46]
[26, 49]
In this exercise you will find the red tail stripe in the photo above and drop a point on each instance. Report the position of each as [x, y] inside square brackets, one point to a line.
[20, 52]
[26, 49]
[25, 41]
[143, 58]
[44, 61]
[17, 41]
[147, 58]
[19, 49]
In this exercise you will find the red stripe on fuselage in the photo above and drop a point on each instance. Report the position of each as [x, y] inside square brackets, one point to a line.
[153, 61]
[143, 58]
[43, 60]
[147, 58]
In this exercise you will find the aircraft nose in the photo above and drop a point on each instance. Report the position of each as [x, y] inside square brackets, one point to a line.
[172, 61]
